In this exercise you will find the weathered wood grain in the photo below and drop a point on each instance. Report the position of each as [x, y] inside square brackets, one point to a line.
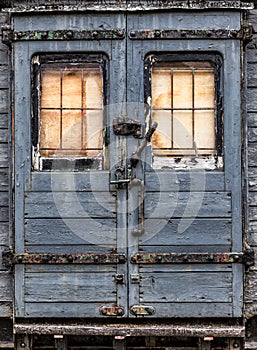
[167, 205]
[4, 77]
[4, 119]
[4, 101]
[252, 120]
[70, 232]
[251, 100]
[4, 181]
[184, 181]
[69, 204]
[252, 134]
[4, 159]
[4, 214]
[200, 287]
[77, 181]
[5, 287]
[4, 198]
[198, 232]
[3, 54]
[200, 248]
[252, 154]
[70, 287]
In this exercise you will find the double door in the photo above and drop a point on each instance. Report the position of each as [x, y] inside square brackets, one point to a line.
[145, 222]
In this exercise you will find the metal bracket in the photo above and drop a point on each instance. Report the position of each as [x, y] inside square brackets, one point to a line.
[244, 33]
[111, 310]
[10, 35]
[126, 126]
[10, 258]
[246, 258]
[142, 310]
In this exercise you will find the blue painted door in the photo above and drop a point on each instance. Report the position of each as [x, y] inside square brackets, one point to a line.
[119, 225]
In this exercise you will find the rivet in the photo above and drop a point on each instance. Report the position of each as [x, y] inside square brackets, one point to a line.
[157, 34]
[236, 257]
[69, 34]
[122, 259]
[120, 33]
[132, 34]
[95, 34]
[44, 34]
[70, 259]
[23, 345]
[185, 258]
[96, 258]
[236, 345]
[120, 312]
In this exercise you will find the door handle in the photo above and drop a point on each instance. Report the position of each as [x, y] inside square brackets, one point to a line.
[135, 157]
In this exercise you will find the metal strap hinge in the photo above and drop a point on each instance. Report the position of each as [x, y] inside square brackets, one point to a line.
[246, 258]
[10, 258]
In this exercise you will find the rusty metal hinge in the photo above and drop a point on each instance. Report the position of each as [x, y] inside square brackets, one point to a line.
[245, 33]
[246, 258]
[111, 310]
[125, 126]
[142, 310]
[10, 258]
[10, 35]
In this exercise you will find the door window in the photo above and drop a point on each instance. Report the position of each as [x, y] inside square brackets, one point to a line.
[184, 98]
[68, 120]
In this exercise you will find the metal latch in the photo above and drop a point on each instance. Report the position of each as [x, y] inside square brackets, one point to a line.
[126, 126]
[142, 310]
[136, 155]
[111, 310]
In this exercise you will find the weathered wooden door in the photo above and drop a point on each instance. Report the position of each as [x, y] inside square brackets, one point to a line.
[127, 230]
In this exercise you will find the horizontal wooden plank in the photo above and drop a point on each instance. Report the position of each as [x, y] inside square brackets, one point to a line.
[187, 232]
[184, 181]
[251, 75]
[70, 287]
[5, 286]
[252, 154]
[4, 159]
[70, 269]
[251, 54]
[252, 178]
[186, 287]
[4, 181]
[252, 119]
[4, 99]
[252, 198]
[3, 135]
[70, 231]
[164, 310]
[69, 204]
[77, 181]
[187, 204]
[4, 59]
[4, 214]
[4, 77]
[185, 248]
[65, 310]
[4, 228]
[6, 309]
[94, 247]
[252, 134]
[4, 119]
[182, 268]
[4, 198]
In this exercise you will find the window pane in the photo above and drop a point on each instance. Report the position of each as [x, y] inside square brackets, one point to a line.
[204, 129]
[162, 137]
[92, 131]
[204, 88]
[72, 89]
[182, 89]
[92, 88]
[50, 89]
[182, 129]
[49, 130]
[161, 88]
[71, 130]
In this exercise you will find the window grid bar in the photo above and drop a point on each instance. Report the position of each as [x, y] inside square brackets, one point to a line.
[181, 109]
[172, 109]
[82, 117]
[193, 108]
[71, 109]
[61, 86]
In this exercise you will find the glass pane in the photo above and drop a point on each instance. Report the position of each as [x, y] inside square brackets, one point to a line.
[50, 89]
[162, 137]
[161, 88]
[182, 89]
[182, 129]
[92, 88]
[204, 89]
[49, 129]
[72, 89]
[93, 130]
[71, 129]
[204, 129]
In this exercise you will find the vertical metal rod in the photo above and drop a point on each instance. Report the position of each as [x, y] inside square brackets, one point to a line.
[119, 343]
